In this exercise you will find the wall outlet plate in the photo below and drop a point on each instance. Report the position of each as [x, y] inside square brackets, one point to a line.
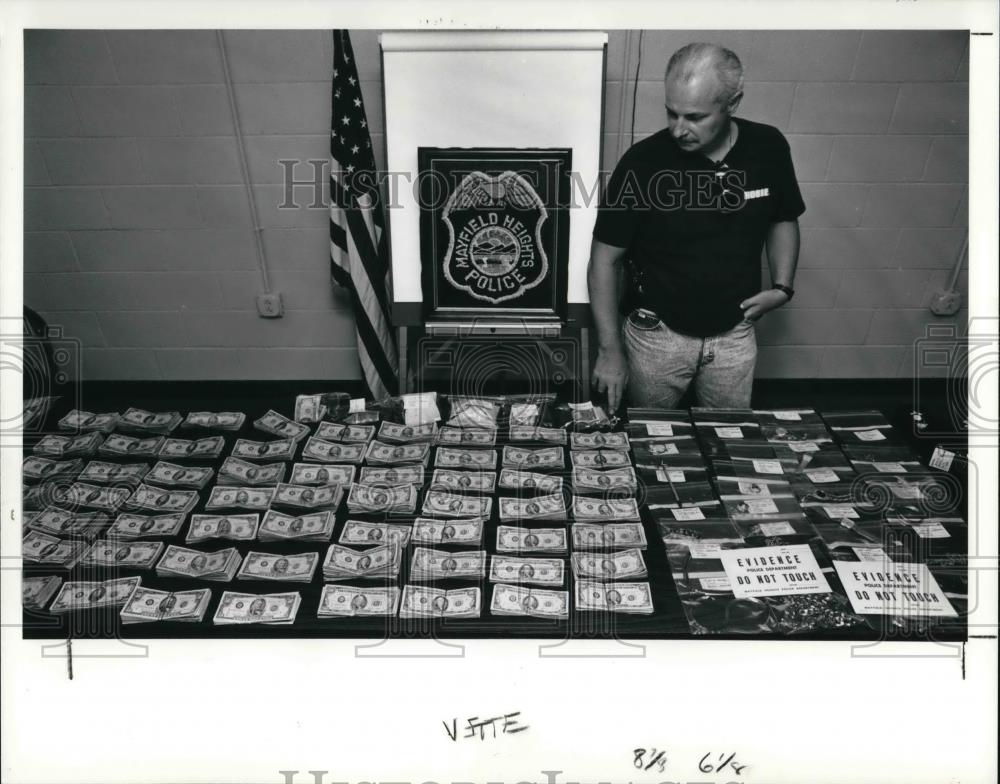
[270, 305]
[946, 303]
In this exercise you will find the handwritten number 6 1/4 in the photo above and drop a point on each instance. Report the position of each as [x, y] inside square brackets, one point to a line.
[647, 759]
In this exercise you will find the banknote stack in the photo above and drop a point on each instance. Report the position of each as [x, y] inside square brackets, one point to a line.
[38, 468]
[51, 550]
[86, 422]
[395, 475]
[59, 522]
[467, 436]
[592, 509]
[599, 458]
[201, 449]
[603, 536]
[279, 568]
[588, 415]
[242, 528]
[345, 434]
[513, 479]
[361, 532]
[69, 446]
[123, 555]
[618, 481]
[376, 563]
[157, 500]
[313, 474]
[36, 591]
[268, 608]
[121, 445]
[546, 435]
[147, 605]
[219, 566]
[547, 572]
[135, 526]
[310, 409]
[232, 497]
[598, 440]
[279, 527]
[380, 499]
[172, 475]
[382, 454]
[512, 539]
[282, 449]
[235, 471]
[442, 504]
[618, 565]
[82, 596]
[420, 601]
[631, 598]
[215, 420]
[117, 473]
[479, 459]
[528, 459]
[428, 530]
[542, 507]
[394, 433]
[81, 494]
[530, 602]
[139, 421]
[448, 480]
[346, 601]
[317, 450]
[308, 497]
[281, 426]
[429, 564]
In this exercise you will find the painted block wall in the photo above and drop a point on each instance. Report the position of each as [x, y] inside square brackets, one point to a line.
[138, 232]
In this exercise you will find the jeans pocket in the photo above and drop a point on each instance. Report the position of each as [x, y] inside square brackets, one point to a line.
[643, 321]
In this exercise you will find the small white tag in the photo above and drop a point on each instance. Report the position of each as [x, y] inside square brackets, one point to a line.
[670, 475]
[841, 510]
[776, 529]
[688, 513]
[659, 428]
[823, 475]
[889, 468]
[715, 583]
[768, 467]
[870, 435]
[942, 459]
[753, 488]
[788, 416]
[870, 553]
[803, 446]
[703, 550]
[657, 448]
[907, 491]
[931, 531]
[760, 506]
[357, 405]
[729, 432]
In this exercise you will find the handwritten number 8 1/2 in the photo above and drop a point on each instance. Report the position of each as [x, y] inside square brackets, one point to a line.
[657, 759]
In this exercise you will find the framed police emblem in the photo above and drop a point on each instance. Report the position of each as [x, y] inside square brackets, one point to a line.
[494, 232]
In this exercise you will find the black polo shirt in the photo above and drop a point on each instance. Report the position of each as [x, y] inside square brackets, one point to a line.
[694, 229]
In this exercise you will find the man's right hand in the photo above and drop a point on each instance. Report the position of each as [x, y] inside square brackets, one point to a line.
[610, 375]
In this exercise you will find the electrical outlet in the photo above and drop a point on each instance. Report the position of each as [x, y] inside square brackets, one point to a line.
[946, 303]
[270, 305]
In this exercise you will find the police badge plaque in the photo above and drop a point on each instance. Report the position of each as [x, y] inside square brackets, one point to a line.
[494, 232]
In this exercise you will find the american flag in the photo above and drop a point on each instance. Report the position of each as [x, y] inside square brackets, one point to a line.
[359, 256]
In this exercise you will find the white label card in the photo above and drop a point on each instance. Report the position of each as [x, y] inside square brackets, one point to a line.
[715, 583]
[752, 488]
[773, 571]
[670, 475]
[704, 550]
[357, 405]
[788, 416]
[776, 529]
[767, 467]
[942, 459]
[841, 510]
[889, 468]
[823, 475]
[893, 589]
[931, 531]
[870, 435]
[870, 554]
[659, 428]
[803, 446]
[729, 432]
[757, 506]
[688, 513]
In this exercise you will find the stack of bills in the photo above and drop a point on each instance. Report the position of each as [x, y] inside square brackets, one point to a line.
[241, 528]
[146, 605]
[81, 596]
[36, 591]
[441, 504]
[511, 539]
[513, 479]
[451, 457]
[235, 471]
[345, 434]
[308, 497]
[37, 468]
[590, 480]
[357, 532]
[428, 530]
[282, 568]
[283, 449]
[420, 601]
[346, 563]
[133, 526]
[172, 475]
[84, 421]
[219, 566]
[530, 459]
[268, 608]
[58, 522]
[228, 497]
[618, 565]
[598, 441]
[542, 507]
[215, 420]
[599, 458]
[341, 601]
[380, 499]
[547, 572]
[201, 449]
[464, 481]
[141, 421]
[67, 446]
[121, 445]
[532, 602]
[52, 551]
[123, 555]
[157, 500]
[312, 474]
[281, 426]
[428, 564]
[590, 536]
[467, 436]
[592, 509]
[382, 454]
[317, 450]
[632, 598]
[278, 527]
[397, 475]
[549, 435]
[395, 433]
[117, 473]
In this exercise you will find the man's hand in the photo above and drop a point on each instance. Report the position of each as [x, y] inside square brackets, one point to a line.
[610, 375]
[759, 304]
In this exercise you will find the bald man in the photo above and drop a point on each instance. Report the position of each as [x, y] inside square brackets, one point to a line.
[688, 211]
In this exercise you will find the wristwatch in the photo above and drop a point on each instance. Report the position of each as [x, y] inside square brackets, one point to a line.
[790, 292]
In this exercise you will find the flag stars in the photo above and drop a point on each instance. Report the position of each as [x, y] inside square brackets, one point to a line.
[364, 123]
[355, 149]
[349, 168]
[352, 80]
[345, 120]
[357, 102]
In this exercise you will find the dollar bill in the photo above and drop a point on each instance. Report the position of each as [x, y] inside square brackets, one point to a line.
[362, 532]
[598, 441]
[215, 420]
[35, 467]
[82, 596]
[69, 446]
[310, 408]
[407, 434]
[590, 479]
[522, 457]
[600, 458]
[585, 508]
[512, 539]
[430, 564]
[348, 601]
[146, 605]
[63, 523]
[235, 471]
[312, 527]
[85, 421]
[543, 507]
[420, 601]
[618, 565]
[239, 527]
[400, 499]
[533, 602]
[283, 449]
[225, 497]
[513, 479]
[201, 449]
[36, 591]
[587, 413]
[45, 494]
[465, 436]
[162, 422]
[451, 505]
[134, 526]
[219, 566]
[464, 481]
[634, 598]
[540, 571]
[319, 451]
[118, 473]
[448, 457]
[347, 434]
[388, 454]
[173, 475]
[125, 555]
[427, 530]
[346, 563]
[52, 551]
[297, 568]
[308, 496]
[157, 500]
[81, 494]
[397, 475]
[281, 426]
[589, 536]
[312, 474]
[272, 608]
[128, 446]
[551, 435]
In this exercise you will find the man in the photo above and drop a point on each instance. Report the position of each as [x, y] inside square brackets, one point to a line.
[690, 209]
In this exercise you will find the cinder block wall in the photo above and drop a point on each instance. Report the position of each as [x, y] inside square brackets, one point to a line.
[138, 238]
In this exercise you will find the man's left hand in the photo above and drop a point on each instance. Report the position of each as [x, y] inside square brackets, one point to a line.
[759, 304]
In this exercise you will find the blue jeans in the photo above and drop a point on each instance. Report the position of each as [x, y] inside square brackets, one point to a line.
[662, 363]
